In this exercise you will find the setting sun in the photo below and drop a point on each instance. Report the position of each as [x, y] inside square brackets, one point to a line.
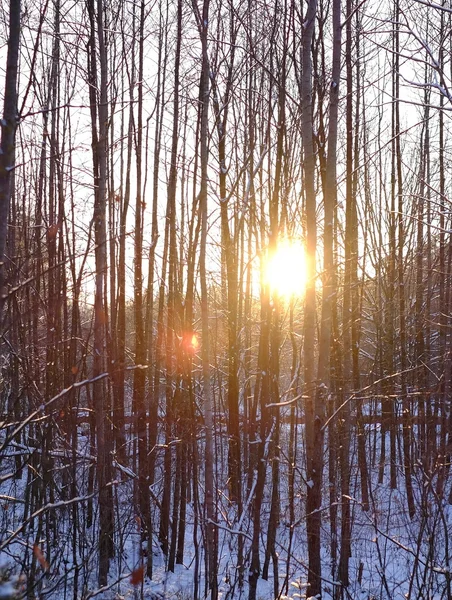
[285, 270]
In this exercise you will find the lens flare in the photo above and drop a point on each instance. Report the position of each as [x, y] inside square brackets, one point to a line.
[194, 342]
[190, 342]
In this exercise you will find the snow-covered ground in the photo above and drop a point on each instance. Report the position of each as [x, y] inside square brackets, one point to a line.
[392, 556]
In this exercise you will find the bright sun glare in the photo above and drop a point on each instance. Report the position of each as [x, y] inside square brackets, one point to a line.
[285, 270]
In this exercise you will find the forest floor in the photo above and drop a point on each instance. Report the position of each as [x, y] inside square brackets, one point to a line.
[393, 557]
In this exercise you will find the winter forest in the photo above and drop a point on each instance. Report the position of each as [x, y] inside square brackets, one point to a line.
[226, 299]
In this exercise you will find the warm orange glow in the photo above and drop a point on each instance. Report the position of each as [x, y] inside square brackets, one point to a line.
[194, 342]
[190, 342]
[285, 270]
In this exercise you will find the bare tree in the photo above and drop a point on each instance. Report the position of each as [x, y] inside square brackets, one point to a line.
[99, 122]
[8, 135]
[314, 410]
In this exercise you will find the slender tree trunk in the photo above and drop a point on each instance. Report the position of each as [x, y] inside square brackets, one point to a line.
[139, 382]
[8, 135]
[444, 388]
[350, 217]
[99, 141]
[329, 284]
[154, 347]
[204, 97]
[229, 251]
[356, 301]
[392, 283]
[173, 355]
[276, 227]
[313, 411]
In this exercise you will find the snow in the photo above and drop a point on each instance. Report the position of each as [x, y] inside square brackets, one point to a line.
[7, 591]
[392, 555]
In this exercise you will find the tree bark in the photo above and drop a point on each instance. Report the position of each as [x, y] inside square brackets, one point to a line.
[8, 136]
[313, 410]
